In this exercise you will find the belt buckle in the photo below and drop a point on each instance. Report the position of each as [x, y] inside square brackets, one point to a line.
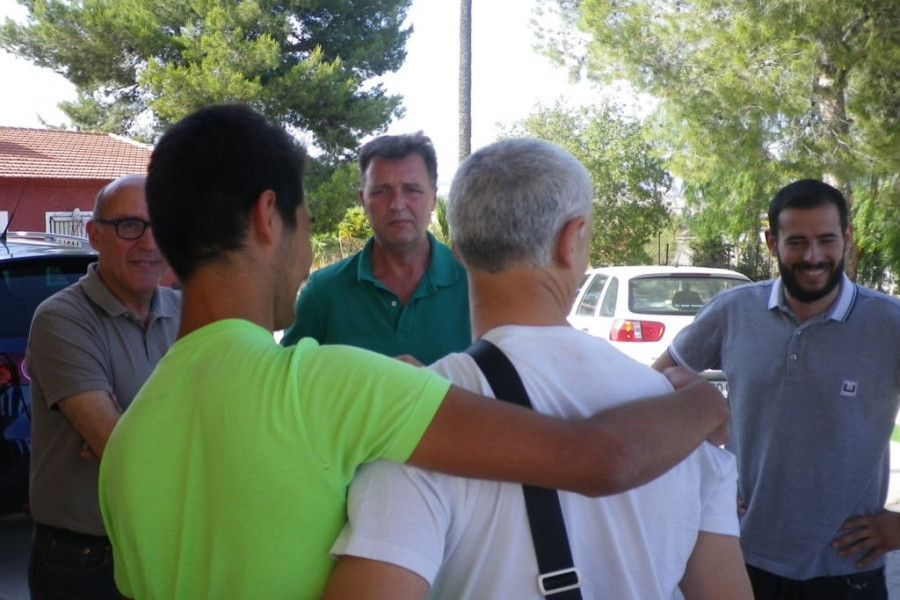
[559, 581]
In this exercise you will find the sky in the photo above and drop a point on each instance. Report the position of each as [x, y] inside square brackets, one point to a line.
[509, 78]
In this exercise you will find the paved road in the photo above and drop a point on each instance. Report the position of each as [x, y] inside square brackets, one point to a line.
[15, 532]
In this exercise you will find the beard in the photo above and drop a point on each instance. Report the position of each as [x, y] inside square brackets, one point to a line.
[792, 284]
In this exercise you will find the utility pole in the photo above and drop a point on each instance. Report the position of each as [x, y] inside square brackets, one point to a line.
[465, 78]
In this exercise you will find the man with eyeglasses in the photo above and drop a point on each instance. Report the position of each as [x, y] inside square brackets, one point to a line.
[91, 347]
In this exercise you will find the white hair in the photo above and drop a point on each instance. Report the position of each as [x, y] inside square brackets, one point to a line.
[510, 200]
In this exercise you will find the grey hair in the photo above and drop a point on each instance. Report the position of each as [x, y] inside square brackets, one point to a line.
[509, 201]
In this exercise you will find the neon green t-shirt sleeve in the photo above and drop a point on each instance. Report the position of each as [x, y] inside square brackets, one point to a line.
[364, 406]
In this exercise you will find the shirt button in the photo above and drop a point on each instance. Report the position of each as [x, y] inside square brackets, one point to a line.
[793, 357]
[393, 303]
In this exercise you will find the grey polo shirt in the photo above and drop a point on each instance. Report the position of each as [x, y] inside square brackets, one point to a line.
[813, 407]
[82, 339]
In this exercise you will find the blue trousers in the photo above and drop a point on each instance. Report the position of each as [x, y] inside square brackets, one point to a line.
[64, 565]
[865, 585]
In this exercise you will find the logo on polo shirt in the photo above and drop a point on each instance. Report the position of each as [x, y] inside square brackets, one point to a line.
[848, 389]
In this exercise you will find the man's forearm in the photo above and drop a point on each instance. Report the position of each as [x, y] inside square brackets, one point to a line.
[608, 453]
[657, 433]
[93, 414]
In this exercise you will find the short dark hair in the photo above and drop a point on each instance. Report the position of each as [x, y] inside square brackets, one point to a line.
[807, 193]
[205, 174]
[398, 147]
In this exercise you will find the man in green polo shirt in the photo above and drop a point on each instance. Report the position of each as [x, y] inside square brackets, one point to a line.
[404, 292]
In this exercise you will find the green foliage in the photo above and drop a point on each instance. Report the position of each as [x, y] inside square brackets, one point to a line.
[711, 252]
[139, 65]
[320, 245]
[752, 94]
[355, 224]
[330, 191]
[756, 262]
[629, 180]
[439, 227]
[877, 230]
[663, 248]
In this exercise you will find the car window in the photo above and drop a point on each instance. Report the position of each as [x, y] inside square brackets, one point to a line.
[608, 308]
[591, 298]
[25, 284]
[584, 279]
[683, 295]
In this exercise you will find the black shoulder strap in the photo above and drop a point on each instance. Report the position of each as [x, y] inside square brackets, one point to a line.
[558, 576]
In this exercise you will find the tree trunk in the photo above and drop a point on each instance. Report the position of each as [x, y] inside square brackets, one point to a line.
[465, 78]
[833, 131]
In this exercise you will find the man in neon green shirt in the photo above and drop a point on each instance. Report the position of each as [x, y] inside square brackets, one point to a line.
[227, 477]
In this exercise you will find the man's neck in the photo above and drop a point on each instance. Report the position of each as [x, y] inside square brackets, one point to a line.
[400, 269]
[137, 303]
[215, 294]
[141, 307]
[808, 310]
[528, 297]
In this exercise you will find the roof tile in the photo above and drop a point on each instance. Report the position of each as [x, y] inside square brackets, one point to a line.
[56, 154]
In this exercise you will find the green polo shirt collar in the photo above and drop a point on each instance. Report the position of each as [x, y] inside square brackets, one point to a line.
[440, 273]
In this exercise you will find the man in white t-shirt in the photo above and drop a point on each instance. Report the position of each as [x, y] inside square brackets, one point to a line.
[520, 217]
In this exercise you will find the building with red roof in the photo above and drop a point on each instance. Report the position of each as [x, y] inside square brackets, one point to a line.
[49, 178]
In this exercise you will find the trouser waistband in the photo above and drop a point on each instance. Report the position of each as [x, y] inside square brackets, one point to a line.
[70, 537]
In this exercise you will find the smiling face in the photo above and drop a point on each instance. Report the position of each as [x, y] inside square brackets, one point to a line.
[810, 247]
[398, 198]
[131, 269]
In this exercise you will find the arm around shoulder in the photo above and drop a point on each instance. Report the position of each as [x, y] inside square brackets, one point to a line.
[610, 452]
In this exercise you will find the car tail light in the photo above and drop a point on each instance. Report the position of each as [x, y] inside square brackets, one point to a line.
[12, 370]
[628, 330]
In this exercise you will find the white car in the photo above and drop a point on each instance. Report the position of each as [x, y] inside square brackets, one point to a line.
[640, 309]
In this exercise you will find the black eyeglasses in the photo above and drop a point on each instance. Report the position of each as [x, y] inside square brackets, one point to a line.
[127, 229]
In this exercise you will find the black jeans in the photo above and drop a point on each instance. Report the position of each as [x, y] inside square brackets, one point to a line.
[865, 585]
[70, 566]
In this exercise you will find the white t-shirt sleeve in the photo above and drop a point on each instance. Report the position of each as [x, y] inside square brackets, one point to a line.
[396, 515]
[718, 489]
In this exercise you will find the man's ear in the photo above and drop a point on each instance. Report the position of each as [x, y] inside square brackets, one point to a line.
[265, 220]
[771, 242]
[568, 240]
[93, 235]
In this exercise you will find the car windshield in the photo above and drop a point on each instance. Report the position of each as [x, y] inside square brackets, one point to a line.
[681, 295]
[26, 283]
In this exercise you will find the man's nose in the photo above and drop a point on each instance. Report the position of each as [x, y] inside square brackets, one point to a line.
[397, 200]
[813, 253]
[147, 241]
